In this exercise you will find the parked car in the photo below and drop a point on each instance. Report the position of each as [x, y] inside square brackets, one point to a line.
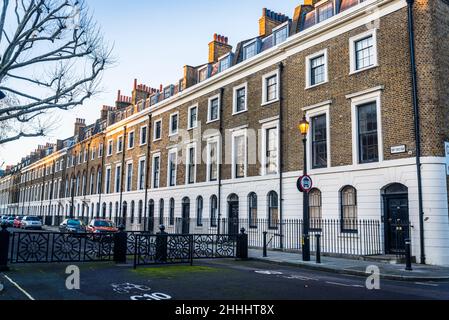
[10, 221]
[31, 223]
[3, 219]
[18, 222]
[101, 226]
[75, 226]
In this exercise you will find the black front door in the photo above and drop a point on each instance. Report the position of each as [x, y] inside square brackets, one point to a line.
[233, 224]
[151, 217]
[396, 224]
[185, 218]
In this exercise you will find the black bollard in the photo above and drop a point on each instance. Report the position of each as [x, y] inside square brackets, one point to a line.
[120, 245]
[4, 248]
[318, 248]
[408, 255]
[265, 244]
[161, 245]
[242, 245]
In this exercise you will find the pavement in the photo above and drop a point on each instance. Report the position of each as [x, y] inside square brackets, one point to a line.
[355, 267]
[211, 280]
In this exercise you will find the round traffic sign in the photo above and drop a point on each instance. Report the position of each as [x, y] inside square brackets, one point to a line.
[305, 183]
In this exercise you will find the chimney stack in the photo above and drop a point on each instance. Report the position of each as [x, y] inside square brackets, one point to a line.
[269, 21]
[80, 124]
[218, 47]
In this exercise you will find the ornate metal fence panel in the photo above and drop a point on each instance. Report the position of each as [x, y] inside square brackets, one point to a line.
[176, 248]
[43, 247]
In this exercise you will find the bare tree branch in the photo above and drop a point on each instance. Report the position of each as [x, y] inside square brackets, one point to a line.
[53, 57]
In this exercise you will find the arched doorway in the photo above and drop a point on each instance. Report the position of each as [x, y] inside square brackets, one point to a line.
[396, 217]
[124, 213]
[233, 214]
[151, 216]
[185, 215]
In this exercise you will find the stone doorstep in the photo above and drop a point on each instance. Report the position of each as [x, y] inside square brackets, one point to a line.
[405, 276]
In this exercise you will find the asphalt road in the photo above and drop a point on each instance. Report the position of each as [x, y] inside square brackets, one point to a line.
[206, 280]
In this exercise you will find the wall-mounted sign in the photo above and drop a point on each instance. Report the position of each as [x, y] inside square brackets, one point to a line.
[399, 149]
[446, 149]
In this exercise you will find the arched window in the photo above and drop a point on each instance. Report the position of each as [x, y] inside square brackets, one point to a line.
[273, 210]
[97, 212]
[117, 208]
[92, 209]
[213, 211]
[132, 211]
[151, 216]
[99, 180]
[348, 199]
[103, 209]
[172, 211]
[140, 210]
[110, 210]
[252, 210]
[78, 210]
[315, 213]
[199, 211]
[124, 211]
[161, 211]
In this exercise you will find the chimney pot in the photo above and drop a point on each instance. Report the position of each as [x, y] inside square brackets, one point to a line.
[135, 84]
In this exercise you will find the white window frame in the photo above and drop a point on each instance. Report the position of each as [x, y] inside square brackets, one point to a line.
[189, 126]
[119, 179]
[352, 54]
[357, 101]
[234, 100]
[141, 135]
[264, 87]
[265, 127]
[248, 44]
[100, 150]
[188, 147]
[139, 173]
[154, 130]
[171, 132]
[209, 104]
[118, 140]
[106, 191]
[86, 155]
[133, 132]
[170, 152]
[311, 113]
[155, 155]
[110, 150]
[236, 134]
[286, 24]
[208, 164]
[127, 186]
[309, 68]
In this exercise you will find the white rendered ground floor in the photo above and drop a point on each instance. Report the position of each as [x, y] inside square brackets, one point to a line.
[372, 184]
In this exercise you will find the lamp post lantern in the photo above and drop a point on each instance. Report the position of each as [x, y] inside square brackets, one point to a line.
[304, 129]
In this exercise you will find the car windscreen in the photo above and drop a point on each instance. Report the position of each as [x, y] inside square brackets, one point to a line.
[74, 222]
[32, 219]
[104, 224]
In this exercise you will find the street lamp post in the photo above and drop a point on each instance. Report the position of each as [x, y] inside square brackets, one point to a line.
[304, 129]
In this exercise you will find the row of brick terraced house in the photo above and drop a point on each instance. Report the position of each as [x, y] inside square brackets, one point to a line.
[223, 143]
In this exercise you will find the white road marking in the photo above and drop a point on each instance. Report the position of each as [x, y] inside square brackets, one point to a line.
[345, 285]
[19, 287]
[427, 284]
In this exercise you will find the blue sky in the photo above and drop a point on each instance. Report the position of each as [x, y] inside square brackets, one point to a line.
[152, 41]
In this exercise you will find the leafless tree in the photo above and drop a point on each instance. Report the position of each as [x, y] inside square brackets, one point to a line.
[52, 56]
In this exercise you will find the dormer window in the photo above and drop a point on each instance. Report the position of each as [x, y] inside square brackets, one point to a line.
[251, 49]
[225, 62]
[325, 11]
[280, 33]
[203, 73]
[154, 99]
[168, 92]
